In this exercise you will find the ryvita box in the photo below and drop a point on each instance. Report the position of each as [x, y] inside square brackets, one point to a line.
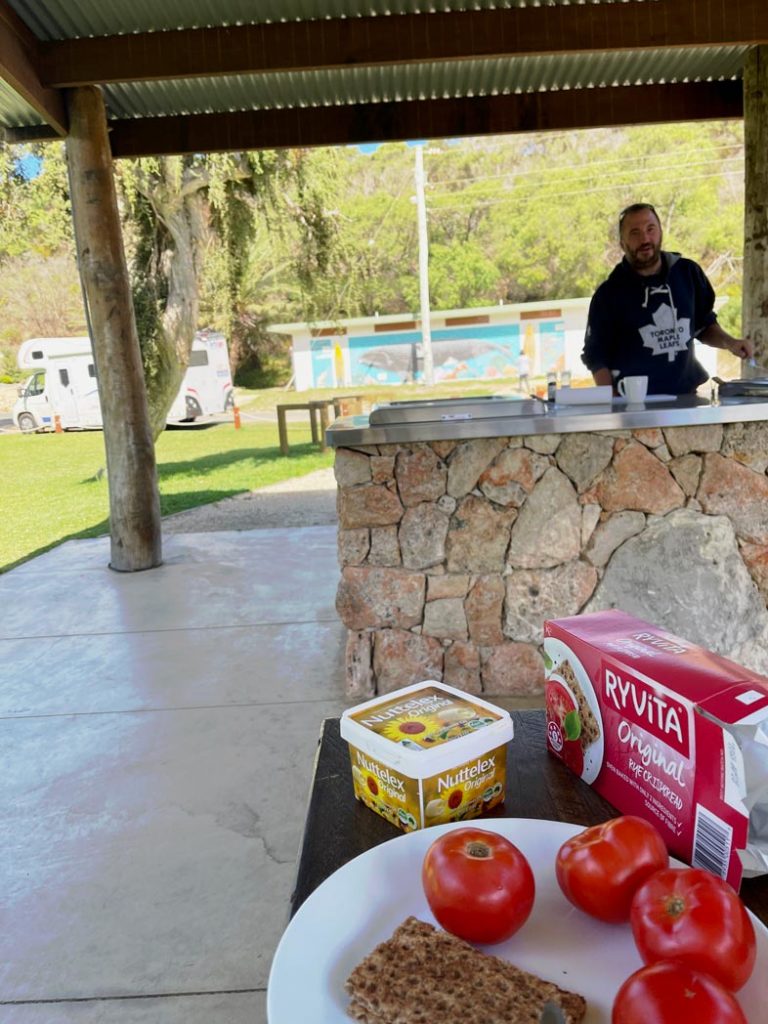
[666, 730]
[427, 754]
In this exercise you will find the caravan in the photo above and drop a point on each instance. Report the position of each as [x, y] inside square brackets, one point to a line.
[63, 385]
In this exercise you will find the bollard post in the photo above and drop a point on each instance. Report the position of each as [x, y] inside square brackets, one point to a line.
[236, 411]
[57, 425]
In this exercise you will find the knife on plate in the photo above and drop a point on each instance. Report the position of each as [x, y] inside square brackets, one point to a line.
[552, 1014]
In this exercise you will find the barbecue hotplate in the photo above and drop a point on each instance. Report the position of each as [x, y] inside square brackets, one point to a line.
[756, 387]
[431, 410]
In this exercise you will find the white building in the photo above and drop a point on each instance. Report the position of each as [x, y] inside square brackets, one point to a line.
[479, 343]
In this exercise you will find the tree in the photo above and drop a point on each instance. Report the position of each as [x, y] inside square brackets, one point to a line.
[178, 209]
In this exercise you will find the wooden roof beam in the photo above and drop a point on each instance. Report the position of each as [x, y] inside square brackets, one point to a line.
[19, 69]
[435, 119]
[403, 39]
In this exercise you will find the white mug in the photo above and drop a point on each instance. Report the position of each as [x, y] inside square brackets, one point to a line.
[634, 389]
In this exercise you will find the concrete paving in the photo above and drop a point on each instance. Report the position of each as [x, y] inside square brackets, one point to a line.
[158, 731]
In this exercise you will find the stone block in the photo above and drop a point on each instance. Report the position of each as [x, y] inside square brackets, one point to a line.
[445, 618]
[443, 448]
[351, 467]
[686, 469]
[706, 437]
[478, 537]
[583, 457]
[401, 658]
[450, 585]
[484, 605]
[359, 667]
[638, 480]
[420, 474]
[611, 534]
[422, 535]
[727, 488]
[747, 443]
[512, 670]
[756, 560]
[685, 573]
[544, 444]
[534, 595]
[548, 528]
[370, 597]
[382, 469]
[468, 461]
[369, 505]
[590, 517]
[651, 437]
[462, 667]
[353, 546]
[512, 476]
[385, 548]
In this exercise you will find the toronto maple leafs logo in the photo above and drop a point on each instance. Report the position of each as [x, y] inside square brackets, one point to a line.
[668, 335]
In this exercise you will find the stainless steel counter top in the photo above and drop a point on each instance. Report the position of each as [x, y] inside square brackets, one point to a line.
[541, 418]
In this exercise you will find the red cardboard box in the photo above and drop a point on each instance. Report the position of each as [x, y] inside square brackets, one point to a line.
[659, 727]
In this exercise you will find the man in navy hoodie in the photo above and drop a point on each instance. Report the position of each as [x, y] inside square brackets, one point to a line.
[643, 319]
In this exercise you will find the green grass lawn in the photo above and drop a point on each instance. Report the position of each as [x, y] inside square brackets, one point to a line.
[52, 489]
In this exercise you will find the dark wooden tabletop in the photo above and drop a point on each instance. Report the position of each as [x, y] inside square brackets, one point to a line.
[338, 827]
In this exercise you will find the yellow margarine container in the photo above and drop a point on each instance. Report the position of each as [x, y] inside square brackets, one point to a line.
[427, 754]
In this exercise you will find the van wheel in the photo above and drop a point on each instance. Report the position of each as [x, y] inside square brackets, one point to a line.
[27, 423]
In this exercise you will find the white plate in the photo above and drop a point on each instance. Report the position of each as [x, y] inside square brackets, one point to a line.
[363, 902]
[558, 652]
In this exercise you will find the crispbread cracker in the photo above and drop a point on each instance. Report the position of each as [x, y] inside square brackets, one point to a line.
[422, 975]
[590, 729]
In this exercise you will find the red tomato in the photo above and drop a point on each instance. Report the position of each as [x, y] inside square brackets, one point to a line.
[695, 918]
[601, 867]
[478, 885]
[671, 993]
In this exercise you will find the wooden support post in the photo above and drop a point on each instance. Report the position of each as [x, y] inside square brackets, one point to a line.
[134, 501]
[755, 279]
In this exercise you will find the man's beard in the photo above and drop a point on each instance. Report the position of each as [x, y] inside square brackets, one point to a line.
[648, 258]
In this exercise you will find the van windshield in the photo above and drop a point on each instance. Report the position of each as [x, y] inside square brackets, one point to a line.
[35, 385]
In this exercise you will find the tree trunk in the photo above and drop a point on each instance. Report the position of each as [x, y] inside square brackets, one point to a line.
[755, 294]
[134, 501]
[182, 212]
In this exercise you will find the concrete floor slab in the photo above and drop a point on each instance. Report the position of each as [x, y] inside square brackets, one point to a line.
[243, 584]
[231, 1008]
[174, 668]
[152, 852]
[158, 732]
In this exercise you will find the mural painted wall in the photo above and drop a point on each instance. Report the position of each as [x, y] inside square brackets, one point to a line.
[458, 353]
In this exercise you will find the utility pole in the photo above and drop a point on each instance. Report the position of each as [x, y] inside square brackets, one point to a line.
[421, 208]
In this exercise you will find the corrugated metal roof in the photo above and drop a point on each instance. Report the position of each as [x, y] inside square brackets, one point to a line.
[422, 81]
[72, 19]
[14, 111]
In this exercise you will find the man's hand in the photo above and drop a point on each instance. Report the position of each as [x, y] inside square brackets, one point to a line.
[741, 347]
[715, 336]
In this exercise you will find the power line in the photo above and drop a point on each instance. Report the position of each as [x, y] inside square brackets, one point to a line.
[585, 166]
[588, 173]
[635, 185]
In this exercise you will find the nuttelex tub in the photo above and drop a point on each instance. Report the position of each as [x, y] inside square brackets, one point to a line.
[427, 754]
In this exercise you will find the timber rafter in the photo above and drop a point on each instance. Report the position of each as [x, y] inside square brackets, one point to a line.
[20, 69]
[415, 119]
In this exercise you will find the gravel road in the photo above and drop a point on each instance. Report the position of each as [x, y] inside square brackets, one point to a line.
[301, 501]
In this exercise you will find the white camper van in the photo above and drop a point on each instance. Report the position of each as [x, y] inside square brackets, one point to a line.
[64, 383]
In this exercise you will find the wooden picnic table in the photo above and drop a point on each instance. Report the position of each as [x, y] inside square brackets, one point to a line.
[318, 416]
[338, 827]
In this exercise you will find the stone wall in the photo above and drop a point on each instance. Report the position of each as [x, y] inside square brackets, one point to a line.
[454, 553]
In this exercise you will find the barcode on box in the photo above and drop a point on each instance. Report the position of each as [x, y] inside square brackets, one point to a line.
[712, 841]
